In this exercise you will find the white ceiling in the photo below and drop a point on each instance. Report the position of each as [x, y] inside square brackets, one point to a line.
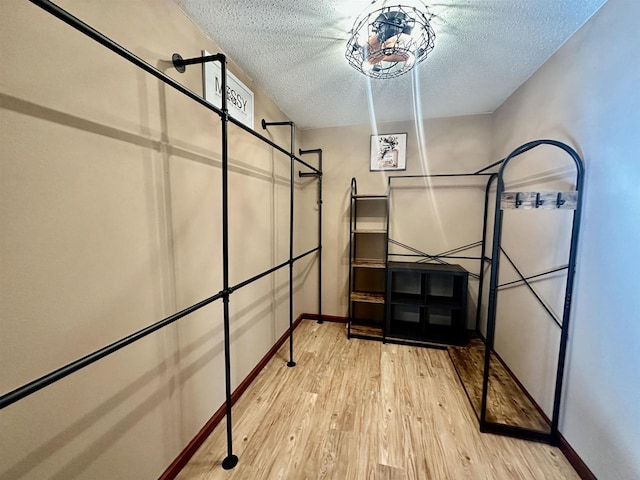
[294, 49]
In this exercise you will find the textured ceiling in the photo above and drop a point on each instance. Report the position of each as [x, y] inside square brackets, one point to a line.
[484, 50]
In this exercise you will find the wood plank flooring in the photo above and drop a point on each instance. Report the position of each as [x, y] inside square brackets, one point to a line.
[356, 409]
[506, 402]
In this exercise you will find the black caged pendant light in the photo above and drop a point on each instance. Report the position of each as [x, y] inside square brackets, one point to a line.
[389, 41]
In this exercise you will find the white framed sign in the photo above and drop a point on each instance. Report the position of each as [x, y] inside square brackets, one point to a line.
[239, 97]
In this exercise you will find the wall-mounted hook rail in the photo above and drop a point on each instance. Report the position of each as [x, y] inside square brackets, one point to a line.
[539, 200]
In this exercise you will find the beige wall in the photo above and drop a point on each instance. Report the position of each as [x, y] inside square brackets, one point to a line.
[450, 145]
[110, 213]
[587, 96]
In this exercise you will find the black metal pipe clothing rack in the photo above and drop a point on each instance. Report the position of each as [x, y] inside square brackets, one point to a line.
[415, 253]
[447, 255]
[32, 387]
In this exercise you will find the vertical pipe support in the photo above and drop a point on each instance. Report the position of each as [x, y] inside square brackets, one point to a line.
[483, 251]
[231, 460]
[352, 250]
[319, 175]
[291, 363]
[320, 320]
[566, 315]
[387, 286]
[491, 312]
[266, 124]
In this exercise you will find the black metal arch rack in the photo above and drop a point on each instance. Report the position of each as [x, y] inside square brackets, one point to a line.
[569, 200]
[30, 388]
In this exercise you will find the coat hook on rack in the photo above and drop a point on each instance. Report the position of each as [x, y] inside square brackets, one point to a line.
[559, 200]
[518, 200]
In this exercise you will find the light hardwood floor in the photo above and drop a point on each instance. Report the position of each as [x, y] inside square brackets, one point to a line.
[506, 402]
[357, 409]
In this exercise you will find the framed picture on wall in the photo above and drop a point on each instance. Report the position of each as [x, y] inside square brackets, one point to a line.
[388, 152]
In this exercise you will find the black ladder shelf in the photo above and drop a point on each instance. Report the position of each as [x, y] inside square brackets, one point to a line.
[368, 237]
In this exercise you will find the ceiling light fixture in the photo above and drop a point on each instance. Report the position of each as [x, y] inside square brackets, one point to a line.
[390, 41]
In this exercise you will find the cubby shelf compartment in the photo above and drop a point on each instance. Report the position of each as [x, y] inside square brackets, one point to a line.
[405, 299]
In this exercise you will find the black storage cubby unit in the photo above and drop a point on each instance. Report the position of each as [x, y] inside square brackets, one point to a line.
[426, 302]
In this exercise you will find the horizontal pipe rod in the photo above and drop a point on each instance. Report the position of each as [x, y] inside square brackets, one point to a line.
[195, 60]
[266, 124]
[313, 150]
[258, 277]
[271, 270]
[38, 384]
[437, 175]
[306, 254]
[495, 164]
[432, 257]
